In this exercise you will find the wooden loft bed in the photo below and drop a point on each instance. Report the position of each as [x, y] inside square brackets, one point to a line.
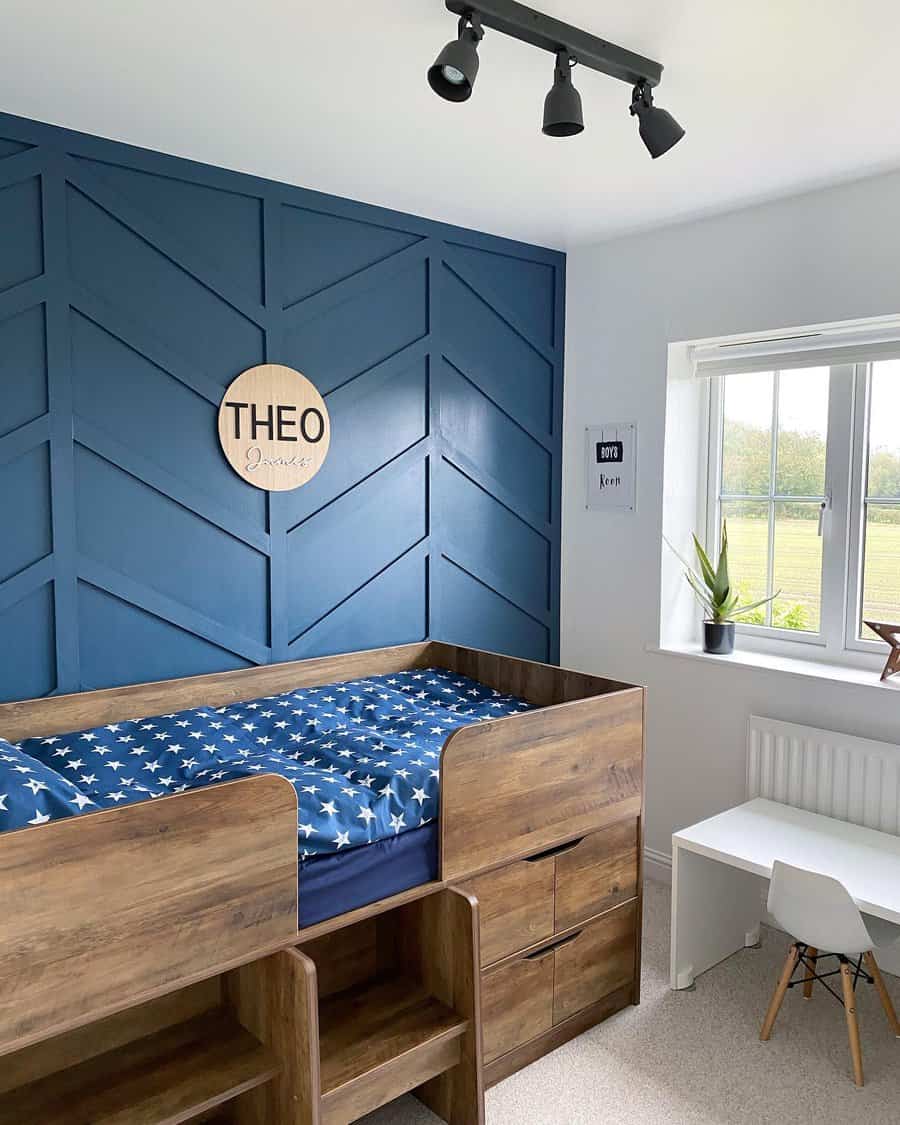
[151, 968]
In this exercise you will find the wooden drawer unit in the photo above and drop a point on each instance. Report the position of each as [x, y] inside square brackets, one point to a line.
[516, 1003]
[516, 906]
[524, 998]
[594, 962]
[533, 899]
[598, 873]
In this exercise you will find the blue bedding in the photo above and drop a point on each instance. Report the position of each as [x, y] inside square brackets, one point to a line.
[362, 755]
[32, 793]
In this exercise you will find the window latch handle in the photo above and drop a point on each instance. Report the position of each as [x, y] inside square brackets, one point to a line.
[823, 507]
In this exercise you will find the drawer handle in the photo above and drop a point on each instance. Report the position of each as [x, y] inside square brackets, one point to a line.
[538, 953]
[560, 849]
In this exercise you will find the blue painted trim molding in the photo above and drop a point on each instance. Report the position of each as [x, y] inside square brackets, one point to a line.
[133, 287]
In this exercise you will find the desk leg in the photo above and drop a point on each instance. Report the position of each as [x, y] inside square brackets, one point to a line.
[715, 912]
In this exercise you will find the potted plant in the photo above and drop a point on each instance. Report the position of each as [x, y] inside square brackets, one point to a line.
[713, 590]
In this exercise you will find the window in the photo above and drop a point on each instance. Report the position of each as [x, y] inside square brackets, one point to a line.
[805, 470]
[878, 595]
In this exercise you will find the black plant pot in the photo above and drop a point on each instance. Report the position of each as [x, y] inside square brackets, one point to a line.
[718, 637]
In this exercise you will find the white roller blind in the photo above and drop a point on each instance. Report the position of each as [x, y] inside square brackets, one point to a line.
[825, 348]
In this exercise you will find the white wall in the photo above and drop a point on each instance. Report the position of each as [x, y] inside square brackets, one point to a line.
[827, 256]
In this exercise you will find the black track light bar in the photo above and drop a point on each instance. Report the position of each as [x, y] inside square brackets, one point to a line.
[553, 35]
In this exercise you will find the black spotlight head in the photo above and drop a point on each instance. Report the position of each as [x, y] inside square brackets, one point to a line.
[455, 68]
[562, 105]
[658, 129]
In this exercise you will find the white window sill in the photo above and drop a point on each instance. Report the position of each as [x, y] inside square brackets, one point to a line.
[784, 665]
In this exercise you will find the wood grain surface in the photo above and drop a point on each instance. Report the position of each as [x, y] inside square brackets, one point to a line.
[107, 910]
[60, 714]
[599, 873]
[163, 1079]
[515, 905]
[599, 961]
[276, 999]
[526, 782]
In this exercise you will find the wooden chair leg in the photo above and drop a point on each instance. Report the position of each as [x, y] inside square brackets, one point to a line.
[852, 1022]
[886, 1002]
[778, 995]
[813, 954]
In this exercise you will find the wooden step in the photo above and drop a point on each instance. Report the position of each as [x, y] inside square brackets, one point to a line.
[379, 1040]
[166, 1078]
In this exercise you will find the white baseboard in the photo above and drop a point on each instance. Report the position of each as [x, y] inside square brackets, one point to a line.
[657, 866]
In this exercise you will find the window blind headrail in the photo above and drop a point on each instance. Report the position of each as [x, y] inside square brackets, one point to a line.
[814, 349]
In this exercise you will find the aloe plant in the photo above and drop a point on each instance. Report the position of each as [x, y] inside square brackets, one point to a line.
[712, 586]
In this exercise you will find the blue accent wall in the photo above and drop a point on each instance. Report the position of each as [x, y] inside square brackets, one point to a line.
[133, 288]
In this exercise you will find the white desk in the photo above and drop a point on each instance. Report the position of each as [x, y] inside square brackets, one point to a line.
[717, 866]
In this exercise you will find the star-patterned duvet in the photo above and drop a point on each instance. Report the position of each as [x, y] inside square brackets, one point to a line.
[362, 755]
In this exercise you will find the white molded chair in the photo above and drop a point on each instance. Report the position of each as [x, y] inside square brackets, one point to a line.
[824, 921]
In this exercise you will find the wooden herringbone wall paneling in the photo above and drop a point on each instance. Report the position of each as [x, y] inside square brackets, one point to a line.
[133, 288]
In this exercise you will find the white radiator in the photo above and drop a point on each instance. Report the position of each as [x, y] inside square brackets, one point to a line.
[852, 779]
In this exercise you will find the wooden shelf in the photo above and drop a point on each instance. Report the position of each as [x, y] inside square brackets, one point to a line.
[163, 1079]
[380, 1040]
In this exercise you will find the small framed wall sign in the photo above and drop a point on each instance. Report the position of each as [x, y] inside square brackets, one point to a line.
[274, 427]
[609, 452]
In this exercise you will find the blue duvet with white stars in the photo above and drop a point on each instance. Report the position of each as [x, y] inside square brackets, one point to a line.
[363, 756]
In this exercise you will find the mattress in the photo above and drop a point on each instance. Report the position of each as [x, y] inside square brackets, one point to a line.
[334, 884]
[363, 757]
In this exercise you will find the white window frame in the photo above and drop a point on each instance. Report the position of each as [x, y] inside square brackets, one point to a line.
[858, 500]
[843, 521]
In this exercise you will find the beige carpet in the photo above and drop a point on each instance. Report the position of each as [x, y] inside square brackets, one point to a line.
[693, 1058]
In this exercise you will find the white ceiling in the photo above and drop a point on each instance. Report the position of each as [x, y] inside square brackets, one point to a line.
[777, 96]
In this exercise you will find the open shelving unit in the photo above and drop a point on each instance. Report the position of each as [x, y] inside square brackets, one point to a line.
[172, 1076]
[389, 1034]
[395, 999]
[322, 1033]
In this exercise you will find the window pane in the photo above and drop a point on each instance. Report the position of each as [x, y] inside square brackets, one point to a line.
[747, 434]
[802, 431]
[797, 567]
[884, 430]
[881, 561]
[748, 553]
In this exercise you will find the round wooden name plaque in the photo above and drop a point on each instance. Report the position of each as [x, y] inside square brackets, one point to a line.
[274, 427]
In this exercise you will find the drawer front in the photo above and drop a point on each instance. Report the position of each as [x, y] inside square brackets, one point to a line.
[600, 959]
[516, 907]
[516, 1003]
[596, 875]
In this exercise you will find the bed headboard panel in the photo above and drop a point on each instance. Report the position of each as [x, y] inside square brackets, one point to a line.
[60, 714]
[105, 911]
